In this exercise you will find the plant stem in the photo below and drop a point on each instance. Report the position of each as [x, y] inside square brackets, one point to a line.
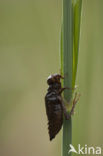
[67, 69]
[69, 59]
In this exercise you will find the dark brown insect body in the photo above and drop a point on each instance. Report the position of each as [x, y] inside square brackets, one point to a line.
[54, 105]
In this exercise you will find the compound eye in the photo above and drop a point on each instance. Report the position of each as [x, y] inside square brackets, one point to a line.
[58, 79]
[49, 81]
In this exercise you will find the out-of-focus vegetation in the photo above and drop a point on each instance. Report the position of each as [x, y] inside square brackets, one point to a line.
[29, 49]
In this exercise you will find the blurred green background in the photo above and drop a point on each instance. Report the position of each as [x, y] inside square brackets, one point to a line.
[29, 52]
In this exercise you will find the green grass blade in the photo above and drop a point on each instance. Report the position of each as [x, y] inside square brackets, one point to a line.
[67, 68]
[76, 33]
[69, 59]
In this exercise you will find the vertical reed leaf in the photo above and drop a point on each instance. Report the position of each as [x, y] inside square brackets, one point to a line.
[69, 56]
[76, 33]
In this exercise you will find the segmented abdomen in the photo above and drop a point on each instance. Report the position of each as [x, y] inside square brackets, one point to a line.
[54, 113]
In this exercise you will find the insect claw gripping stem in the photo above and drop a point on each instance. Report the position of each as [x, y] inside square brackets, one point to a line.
[62, 89]
[75, 100]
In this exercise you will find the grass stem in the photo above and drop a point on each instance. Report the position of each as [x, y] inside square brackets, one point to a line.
[67, 69]
[69, 57]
